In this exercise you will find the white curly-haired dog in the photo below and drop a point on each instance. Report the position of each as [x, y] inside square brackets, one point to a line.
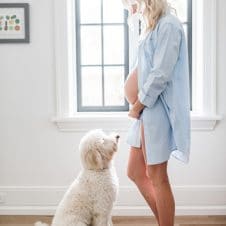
[90, 198]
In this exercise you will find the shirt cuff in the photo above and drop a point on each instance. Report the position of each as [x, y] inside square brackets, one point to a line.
[145, 99]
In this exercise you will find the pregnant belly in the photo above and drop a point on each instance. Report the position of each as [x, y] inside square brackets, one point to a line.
[131, 87]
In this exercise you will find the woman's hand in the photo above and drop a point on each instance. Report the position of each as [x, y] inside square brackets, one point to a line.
[134, 112]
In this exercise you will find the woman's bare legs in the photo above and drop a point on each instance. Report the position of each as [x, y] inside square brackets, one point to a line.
[164, 197]
[153, 183]
[136, 171]
[163, 194]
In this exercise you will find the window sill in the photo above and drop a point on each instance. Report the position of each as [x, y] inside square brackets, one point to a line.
[120, 122]
[204, 122]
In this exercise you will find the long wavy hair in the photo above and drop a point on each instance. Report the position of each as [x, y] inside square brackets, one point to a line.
[151, 10]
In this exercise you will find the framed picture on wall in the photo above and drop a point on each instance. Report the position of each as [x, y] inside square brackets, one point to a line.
[14, 23]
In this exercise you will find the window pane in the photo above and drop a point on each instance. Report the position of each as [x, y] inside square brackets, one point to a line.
[181, 8]
[114, 86]
[114, 44]
[90, 11]
[91, 86]
[113, 11]
[185, 26]
[90, 45]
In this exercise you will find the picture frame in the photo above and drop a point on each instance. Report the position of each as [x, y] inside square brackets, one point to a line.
[14, 23]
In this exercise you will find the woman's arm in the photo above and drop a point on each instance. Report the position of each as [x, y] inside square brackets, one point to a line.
[165, 56]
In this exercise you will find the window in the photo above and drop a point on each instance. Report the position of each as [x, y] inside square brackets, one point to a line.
[102, 55]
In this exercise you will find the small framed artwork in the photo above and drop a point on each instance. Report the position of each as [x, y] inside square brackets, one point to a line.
[14, 23]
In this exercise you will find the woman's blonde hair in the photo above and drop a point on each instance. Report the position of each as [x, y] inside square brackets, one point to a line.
[151, 10]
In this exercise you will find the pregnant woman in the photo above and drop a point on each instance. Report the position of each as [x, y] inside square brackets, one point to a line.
[158, 91]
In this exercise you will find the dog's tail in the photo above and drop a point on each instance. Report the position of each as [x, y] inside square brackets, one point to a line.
[39, 223]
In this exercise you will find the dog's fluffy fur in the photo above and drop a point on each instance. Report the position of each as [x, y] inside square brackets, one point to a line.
[90, 198]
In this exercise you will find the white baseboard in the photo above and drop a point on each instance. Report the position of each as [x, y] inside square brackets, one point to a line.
[43, 200]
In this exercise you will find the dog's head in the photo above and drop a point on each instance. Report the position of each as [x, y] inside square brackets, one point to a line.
[97, 149]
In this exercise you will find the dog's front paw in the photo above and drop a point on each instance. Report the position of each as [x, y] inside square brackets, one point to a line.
[110, 223]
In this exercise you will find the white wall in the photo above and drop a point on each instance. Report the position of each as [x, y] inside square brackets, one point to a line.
[38, 162]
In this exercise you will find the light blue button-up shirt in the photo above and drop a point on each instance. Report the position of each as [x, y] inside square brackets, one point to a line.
[163, 84]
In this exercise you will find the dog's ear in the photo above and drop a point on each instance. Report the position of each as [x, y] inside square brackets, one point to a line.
[94, 159]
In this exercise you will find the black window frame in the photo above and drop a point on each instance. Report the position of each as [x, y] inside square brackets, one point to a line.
[103, 108]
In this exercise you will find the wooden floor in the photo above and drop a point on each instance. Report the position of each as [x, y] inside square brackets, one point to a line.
[122, 221]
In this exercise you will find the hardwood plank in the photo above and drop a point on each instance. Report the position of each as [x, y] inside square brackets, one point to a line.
[122, 221]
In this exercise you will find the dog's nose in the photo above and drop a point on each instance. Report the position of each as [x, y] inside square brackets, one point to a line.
[117, 137]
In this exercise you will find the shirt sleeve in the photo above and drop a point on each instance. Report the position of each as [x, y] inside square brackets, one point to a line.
[164, 59]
